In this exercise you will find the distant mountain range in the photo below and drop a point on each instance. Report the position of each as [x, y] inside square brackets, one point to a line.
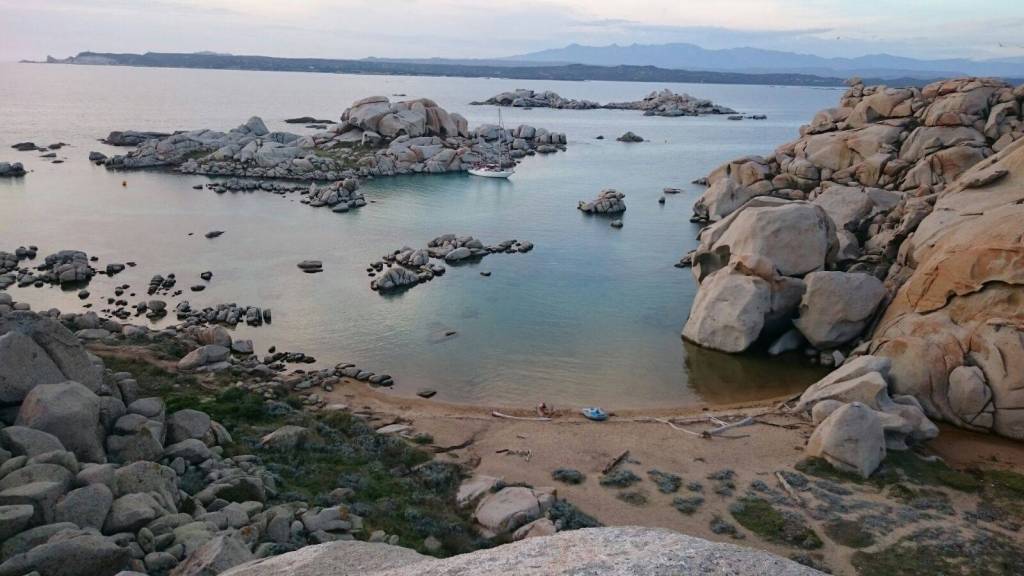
[758, 61]
[504, 68]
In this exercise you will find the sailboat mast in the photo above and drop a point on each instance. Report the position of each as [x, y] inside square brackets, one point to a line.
[501, 138]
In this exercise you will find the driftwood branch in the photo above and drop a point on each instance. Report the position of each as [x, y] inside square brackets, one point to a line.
[789, 489]
[722, 426]
[727, 426]
[497, 414]
[615, 462]
[453, 447]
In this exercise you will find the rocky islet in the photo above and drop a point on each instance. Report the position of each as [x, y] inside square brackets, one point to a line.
[658, 103]
[376, 137]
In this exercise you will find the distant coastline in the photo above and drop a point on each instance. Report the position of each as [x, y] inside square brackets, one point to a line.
[570, 72]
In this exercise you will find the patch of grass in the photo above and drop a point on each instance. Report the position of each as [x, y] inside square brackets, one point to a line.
[633, 497]
[687, 505]
[570, 517]
[902, 466]
[820, 468]
[152, 379]
[761, 518]
[1003, 491]
[931, 473]
[568, 476]
[933, 551]
[849, 533]
[667, 483]
[619, 478]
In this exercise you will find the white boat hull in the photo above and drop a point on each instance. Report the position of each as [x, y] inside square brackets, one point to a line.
[491, 173]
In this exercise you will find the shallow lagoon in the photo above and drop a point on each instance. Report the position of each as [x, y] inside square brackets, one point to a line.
[591, 316]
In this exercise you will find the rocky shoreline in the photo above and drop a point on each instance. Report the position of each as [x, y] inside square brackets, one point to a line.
[880, 241]
[93, 468]
[375, 137]
[664, 103]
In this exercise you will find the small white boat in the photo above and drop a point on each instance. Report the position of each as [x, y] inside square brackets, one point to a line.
[491, 171]
[502, 168]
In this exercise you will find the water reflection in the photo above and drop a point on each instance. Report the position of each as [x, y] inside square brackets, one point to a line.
[723, 378]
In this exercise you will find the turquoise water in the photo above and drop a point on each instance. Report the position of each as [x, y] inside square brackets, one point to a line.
[591, 316]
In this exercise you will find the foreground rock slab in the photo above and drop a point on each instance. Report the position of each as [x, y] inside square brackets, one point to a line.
[624, 551]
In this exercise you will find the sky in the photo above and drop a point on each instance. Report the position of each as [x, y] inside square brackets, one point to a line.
[929, 29]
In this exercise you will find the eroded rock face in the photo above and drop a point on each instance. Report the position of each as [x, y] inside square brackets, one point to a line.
[924, 189]
[875, 161]
[954, 327]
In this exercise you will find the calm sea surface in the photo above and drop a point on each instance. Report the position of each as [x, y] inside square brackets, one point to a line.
[591, 316]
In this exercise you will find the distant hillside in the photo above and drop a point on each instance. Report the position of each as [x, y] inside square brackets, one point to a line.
[463, 68]
[755, 60]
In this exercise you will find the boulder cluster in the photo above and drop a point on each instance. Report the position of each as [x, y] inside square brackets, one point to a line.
[66, 267]
[892, 222]
[11, 169]
[663, 103]
[526, 98]
[376, 137]
[10, 263]
[609, 201]
[503, 511]
[857, 421]
[407, 267]
[340, 196]
[95, 479]
[668, 103]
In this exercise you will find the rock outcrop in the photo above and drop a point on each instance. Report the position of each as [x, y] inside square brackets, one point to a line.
[526, 98]
[407, 267]
[917, 195]
[623, 551]
[376, 137]
[954, 329]
[11, 169]
[609, 201]
[663, 103]
[857, 420]
[668, 103]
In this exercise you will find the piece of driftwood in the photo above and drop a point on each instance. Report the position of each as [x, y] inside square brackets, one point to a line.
[615, 462]
[789, 489]
[722, 426]
[459, 446]
[497, 414]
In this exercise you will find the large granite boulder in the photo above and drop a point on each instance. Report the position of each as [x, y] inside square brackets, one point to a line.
[837, 307]
[70, 553]
[851, 439]
[729, 311]
[63, 350]
[797, 237]
[621, 551]
[71, 413]
[214, 557]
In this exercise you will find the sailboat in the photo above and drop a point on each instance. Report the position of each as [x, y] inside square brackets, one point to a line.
[498, 170]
